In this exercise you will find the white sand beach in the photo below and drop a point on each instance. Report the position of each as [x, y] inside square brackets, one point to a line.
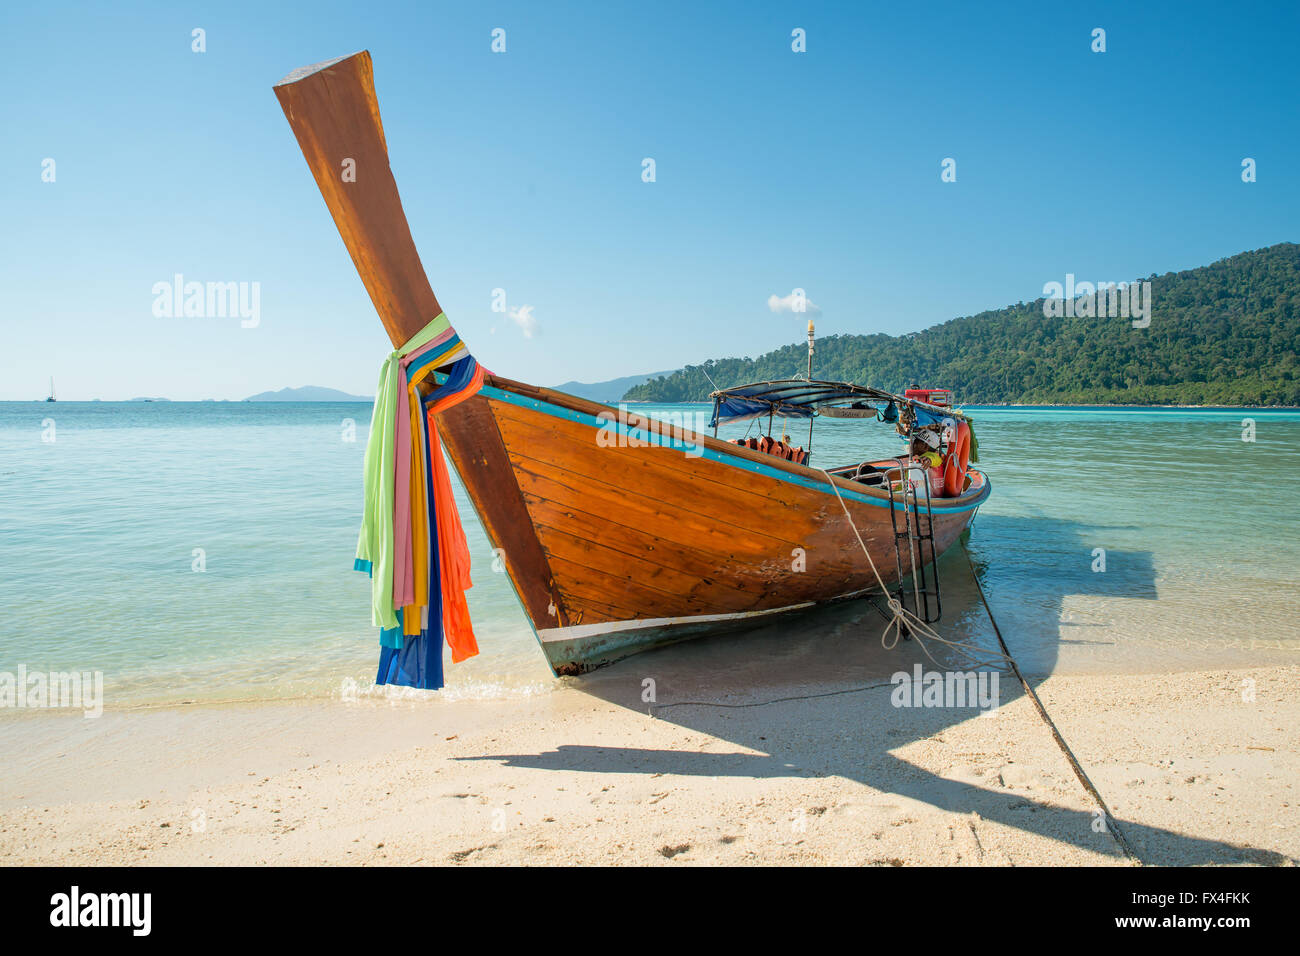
[748, 768]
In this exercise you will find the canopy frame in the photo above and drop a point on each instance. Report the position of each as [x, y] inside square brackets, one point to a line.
[803, 398]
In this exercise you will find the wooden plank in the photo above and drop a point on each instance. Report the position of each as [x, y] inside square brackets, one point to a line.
[610, 502]
[538, 429]
[335, 116]
[608, 556]
[728, 586]
[707, 487]
[759, 572]
[591, 607]
[474, 445]
[613, 564]
[636, 600]
[637, 543]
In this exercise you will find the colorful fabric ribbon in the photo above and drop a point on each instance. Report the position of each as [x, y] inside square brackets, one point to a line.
[411, 540]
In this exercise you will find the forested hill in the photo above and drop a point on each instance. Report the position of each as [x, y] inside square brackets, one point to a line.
[1223, 334]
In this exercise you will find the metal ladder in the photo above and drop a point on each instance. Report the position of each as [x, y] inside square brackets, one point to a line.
[925, 599]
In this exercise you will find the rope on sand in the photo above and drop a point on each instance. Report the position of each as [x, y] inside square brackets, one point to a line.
[901, 617]
[764, 703]
[1111, 825]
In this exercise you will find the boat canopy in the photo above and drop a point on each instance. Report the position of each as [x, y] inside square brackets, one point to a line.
[802, 398]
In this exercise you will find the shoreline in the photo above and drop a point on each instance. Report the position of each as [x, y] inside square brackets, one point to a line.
[705, 402]
[738, 767]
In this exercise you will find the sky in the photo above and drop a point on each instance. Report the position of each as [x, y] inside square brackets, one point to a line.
[522, 171]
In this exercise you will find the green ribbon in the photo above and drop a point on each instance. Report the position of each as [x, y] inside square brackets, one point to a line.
[375, 541]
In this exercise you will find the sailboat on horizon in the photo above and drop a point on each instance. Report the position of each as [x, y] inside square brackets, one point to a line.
[51, 398]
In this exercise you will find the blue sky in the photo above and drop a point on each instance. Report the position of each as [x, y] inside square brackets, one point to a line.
[522, 171]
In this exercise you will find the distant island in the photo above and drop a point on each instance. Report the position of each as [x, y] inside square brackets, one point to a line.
[308, 393]
[1222, 334]
[608, 391]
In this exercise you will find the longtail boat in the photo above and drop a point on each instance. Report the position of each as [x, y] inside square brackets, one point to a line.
[618, 532]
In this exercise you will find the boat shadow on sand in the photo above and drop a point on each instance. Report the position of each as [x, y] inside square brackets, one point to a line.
[771, 691]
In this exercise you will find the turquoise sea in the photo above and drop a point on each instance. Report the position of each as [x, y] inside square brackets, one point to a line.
[200, 551]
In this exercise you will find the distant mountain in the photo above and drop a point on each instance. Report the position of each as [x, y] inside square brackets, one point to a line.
[308, 393]
[1222, 334]
[610, 391]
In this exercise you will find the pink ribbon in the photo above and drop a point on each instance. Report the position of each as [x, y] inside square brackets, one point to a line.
[403, 543]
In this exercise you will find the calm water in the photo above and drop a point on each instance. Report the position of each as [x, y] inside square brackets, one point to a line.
[101, 530]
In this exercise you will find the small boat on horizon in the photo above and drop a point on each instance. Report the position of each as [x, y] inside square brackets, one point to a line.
[51, 397]
[619, 532]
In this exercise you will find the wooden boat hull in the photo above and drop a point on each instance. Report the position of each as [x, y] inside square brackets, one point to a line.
[617, 546]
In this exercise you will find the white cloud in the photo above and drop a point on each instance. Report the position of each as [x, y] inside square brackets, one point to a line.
[523, 317]
[793, 304]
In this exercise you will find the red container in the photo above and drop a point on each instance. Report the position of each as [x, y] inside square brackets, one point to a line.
[931, 396]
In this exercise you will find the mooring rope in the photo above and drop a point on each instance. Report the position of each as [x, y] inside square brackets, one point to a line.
[764, 703]
[901, 616]
[1111, 825]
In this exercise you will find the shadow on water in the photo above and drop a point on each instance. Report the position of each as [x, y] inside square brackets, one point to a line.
[759, 689]
[1030, 566]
